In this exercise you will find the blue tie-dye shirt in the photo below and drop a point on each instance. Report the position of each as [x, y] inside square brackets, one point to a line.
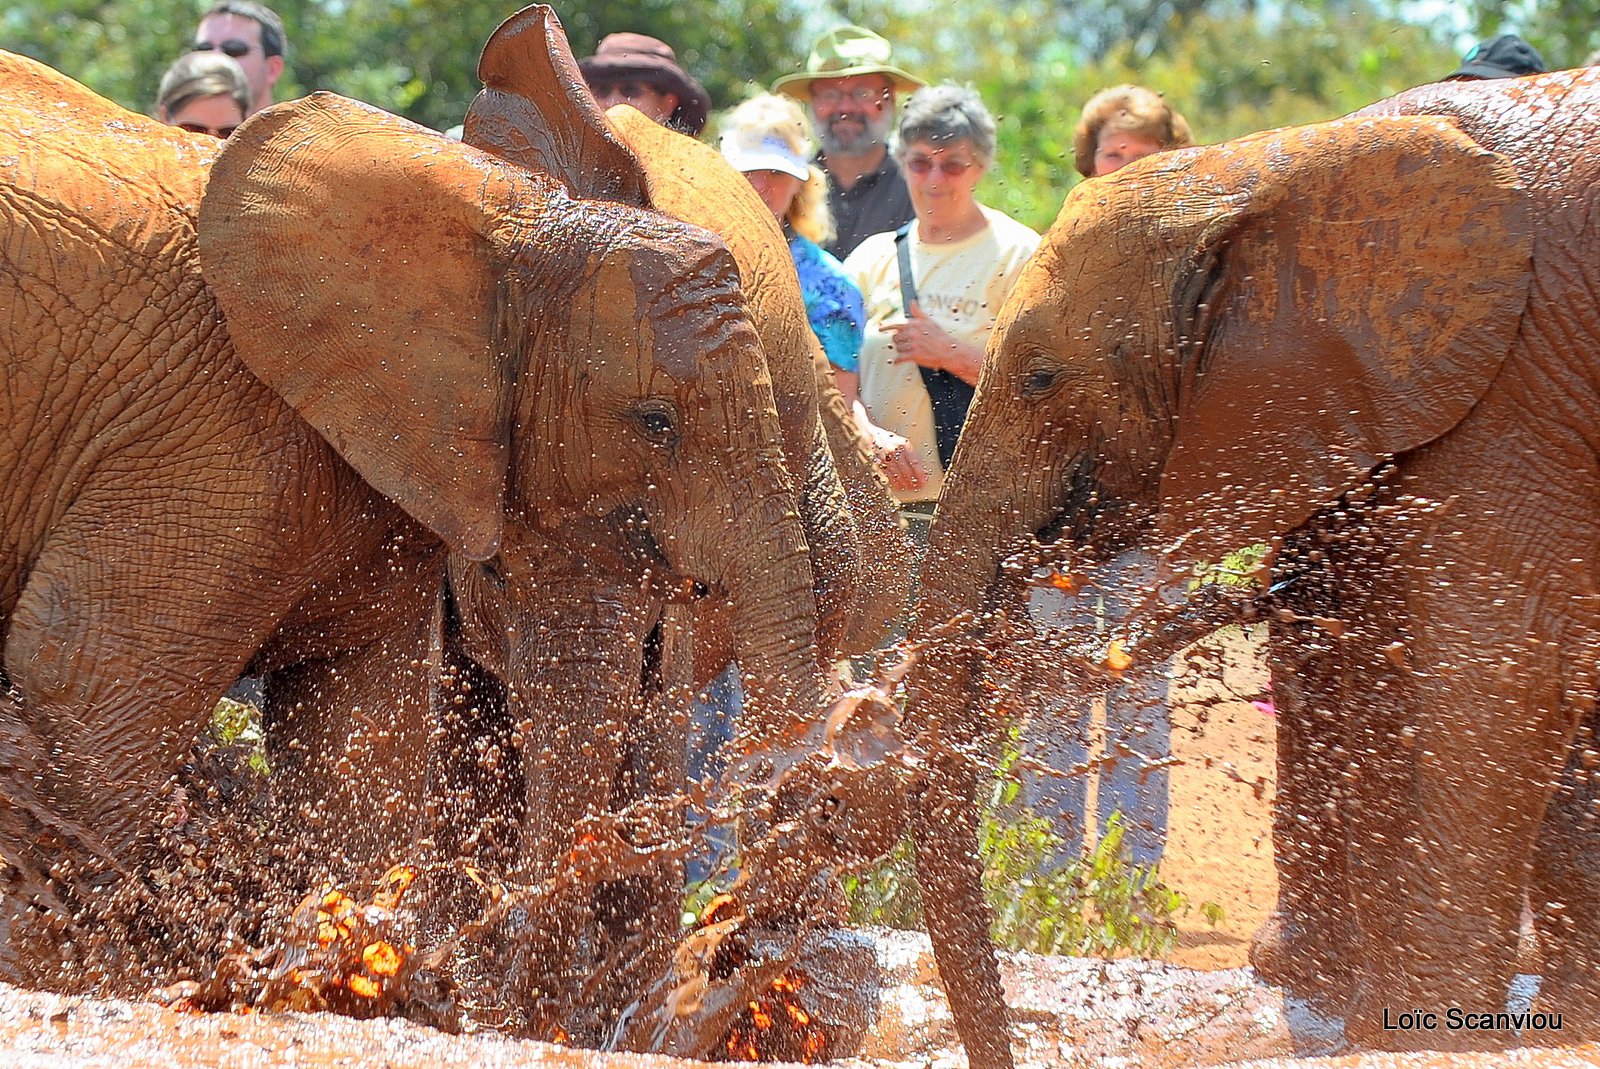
[833, 303]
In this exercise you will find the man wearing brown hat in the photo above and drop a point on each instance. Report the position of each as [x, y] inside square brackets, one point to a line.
[851, 86]
[630, 68]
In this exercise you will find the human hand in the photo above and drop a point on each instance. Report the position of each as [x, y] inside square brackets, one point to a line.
[899, 460]
[919, 340]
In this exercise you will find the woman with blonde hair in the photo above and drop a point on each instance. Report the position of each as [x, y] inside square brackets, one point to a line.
[204, 93]
[1123, 124]
[768, 139]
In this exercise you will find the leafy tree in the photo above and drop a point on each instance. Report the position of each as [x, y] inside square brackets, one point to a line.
[1231, 66]
[417, 58]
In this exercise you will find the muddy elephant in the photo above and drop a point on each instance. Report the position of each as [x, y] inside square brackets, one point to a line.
[1368, 344]
[860, 553]
[260, 397]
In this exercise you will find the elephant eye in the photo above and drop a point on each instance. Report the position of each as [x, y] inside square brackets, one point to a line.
[656, 420]
[1039, 381]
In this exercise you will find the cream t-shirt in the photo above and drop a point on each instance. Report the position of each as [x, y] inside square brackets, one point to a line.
[960, 286]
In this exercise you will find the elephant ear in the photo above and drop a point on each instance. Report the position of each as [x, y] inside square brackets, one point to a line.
[357, 262]
[1354, 301]
[536, 111]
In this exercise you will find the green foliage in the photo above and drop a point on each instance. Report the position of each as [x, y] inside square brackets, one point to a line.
[887, 896]
[417, 58]
[1231, 66]
[239, 724]
[1239, 568]
[1100, 904]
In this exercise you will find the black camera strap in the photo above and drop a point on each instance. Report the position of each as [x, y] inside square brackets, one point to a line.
[950, 396]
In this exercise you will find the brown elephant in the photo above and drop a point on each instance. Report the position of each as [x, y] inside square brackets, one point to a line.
[1368, 344]
[859, 553]
[251, 425]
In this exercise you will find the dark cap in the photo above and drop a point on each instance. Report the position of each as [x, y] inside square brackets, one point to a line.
[1506, 56]
[634, 55]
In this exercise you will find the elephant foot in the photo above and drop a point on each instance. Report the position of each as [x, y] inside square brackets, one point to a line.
[1383, 1018]
[1310, 965]
[1574, 995]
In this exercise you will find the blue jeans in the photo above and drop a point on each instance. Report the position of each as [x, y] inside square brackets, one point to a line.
[1137, 733]
[712, 723]
[1138, 729]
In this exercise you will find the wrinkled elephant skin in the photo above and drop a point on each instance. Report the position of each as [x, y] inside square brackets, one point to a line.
[856, 550]
[859, 552]
[1369, 345]
[267, 397]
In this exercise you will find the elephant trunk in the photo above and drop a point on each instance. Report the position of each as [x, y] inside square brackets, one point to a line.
[946, 717]
[775, 621]
[971, 538]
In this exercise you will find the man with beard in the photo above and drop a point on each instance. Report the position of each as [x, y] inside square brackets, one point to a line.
[851, 87]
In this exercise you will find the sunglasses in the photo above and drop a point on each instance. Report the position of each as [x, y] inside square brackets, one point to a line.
[231, 47]
[924, 165]
[215, 131]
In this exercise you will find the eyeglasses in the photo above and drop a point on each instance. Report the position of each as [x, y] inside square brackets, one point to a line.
[231, 47]
[223, 132]
[861, 94]
[924, 165]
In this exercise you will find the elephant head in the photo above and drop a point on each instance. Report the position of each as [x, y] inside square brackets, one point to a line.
[1208, 348]
[568, 392]
[532, 109]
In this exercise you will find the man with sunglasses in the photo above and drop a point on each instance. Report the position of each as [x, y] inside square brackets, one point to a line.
[851, 86]
[253, 35]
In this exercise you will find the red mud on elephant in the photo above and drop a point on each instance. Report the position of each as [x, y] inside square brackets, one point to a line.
[354, 471]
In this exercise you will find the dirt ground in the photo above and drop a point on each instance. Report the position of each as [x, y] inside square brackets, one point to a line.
[1219, 840]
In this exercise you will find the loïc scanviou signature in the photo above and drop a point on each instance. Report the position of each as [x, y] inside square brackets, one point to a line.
[1455, 1019]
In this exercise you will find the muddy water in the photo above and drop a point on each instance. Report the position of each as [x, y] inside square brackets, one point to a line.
[1198, 1008]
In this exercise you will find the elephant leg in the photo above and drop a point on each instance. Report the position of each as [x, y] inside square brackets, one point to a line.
[1455, 762]
[945, 816]
[1565, 892]
[640, 914]
[128, 630]
[475, 771]
[1309, 943]
[132, 622]
[578, 692]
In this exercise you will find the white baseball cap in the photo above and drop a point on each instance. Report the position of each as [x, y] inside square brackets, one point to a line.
[771, 153]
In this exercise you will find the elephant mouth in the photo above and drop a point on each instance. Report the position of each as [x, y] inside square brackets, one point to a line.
[1079, 507]
[637, 552]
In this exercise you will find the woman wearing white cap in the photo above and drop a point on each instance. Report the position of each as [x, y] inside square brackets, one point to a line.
[769, 140]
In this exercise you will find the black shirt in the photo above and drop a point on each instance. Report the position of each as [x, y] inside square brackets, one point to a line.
[878, 202]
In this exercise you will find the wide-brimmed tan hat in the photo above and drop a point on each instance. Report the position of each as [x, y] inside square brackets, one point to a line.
[844, 53]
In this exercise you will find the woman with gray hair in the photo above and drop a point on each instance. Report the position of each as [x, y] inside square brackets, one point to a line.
[204, 93]
[933, 290]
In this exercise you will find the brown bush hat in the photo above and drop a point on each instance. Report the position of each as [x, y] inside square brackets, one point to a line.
[844, 53]
[635, 55]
